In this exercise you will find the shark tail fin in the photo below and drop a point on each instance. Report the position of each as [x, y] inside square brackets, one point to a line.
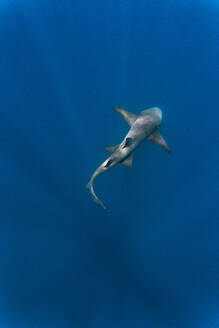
[94, 196]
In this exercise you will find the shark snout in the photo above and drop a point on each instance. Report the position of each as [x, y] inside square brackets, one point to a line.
[158, 113]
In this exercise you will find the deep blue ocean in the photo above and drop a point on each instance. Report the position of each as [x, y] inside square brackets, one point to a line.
[151, 260]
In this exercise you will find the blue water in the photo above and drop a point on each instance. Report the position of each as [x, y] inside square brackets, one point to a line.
[152, 259]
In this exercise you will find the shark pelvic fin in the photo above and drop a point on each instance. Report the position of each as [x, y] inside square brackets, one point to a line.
[157, 138]
[112, 149]
[128, 117]
[128, 161]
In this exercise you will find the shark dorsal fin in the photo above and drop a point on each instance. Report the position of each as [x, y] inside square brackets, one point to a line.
[157, 138]
[112, 149]
[128, 161]
[128, 117]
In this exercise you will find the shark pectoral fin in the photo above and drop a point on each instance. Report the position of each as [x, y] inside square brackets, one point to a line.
[128, 117]
[157, 138]
[128, 161]
[112, 149]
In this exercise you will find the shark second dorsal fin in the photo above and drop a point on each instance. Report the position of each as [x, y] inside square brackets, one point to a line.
[128, 161]
[128, 117]
[157, 138]
[112, 149]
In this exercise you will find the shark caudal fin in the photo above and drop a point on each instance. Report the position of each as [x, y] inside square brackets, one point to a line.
[94, 196]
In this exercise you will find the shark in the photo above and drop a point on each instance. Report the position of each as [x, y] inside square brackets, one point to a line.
[142, 127]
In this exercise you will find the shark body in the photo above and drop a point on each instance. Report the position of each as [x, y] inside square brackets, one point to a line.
[143, 126]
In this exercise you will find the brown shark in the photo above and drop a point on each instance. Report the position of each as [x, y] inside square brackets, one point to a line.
[143, 126]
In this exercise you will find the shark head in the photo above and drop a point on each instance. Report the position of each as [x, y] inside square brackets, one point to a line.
[154, 112]
[157, 112]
